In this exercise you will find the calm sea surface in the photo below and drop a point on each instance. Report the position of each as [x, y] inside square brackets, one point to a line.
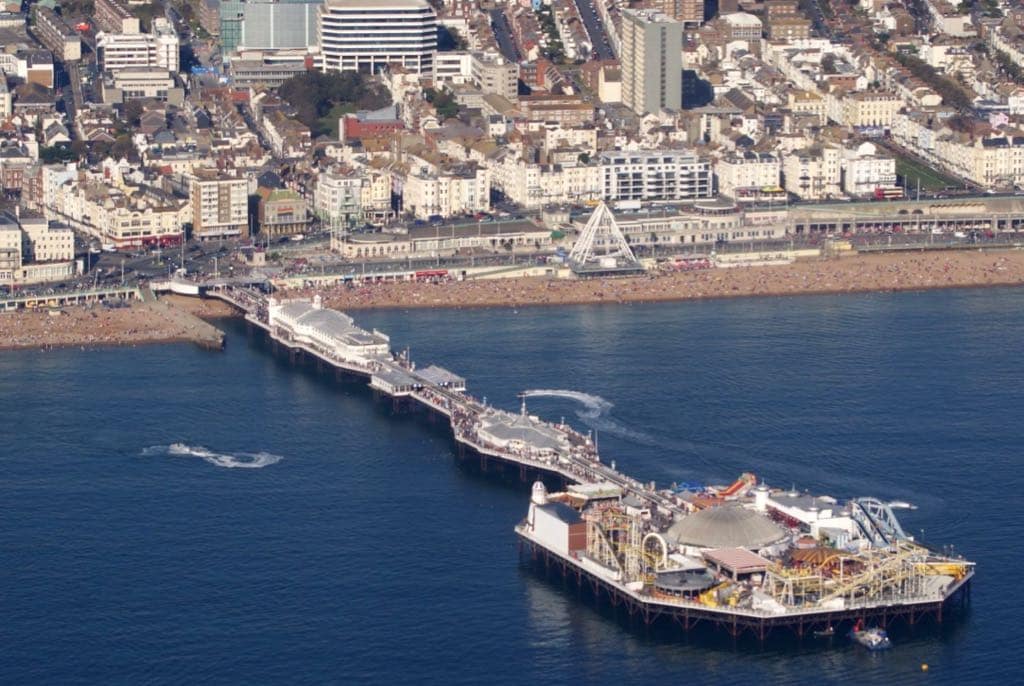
[136, 547]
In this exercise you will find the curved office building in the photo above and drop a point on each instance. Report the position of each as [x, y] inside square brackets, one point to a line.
[367, 35]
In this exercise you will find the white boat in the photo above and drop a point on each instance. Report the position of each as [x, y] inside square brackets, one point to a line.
[872, 639]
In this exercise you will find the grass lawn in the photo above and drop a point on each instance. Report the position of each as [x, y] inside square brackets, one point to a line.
[910, 170]
[330, 120]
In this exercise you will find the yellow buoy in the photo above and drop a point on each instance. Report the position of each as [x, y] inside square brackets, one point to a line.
[924, 667]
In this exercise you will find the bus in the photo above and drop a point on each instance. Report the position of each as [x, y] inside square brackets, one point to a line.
[891, 193]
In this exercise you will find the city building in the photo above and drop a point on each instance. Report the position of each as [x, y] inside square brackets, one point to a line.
[432, 241]
[135, 83]
[268, 68]
[113, 16]
[566, 110]
[428, 191]
[220, 205]
[337, 199]
[369, 35]
[156, 50]
[651, 61]
[655, 176]
[268, 24]
[813, 173]
[126, 217]
[370, 124]
[282, 212]
[493, 74]
[748, 175]
[56, 35]
[34, 251]
[690, 13]
[6, 100]
[865, 171]
[208, 12]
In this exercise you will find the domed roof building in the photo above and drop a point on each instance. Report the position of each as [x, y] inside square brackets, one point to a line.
[726, 526]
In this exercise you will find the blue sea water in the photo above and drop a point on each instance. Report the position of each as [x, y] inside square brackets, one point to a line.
[354, 550]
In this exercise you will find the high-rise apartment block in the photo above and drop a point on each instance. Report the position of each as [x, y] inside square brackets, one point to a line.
[651, 61]
[220, 205]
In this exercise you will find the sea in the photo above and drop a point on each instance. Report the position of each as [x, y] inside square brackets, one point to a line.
[170, 515]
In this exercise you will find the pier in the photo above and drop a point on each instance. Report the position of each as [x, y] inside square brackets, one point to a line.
[741, 558]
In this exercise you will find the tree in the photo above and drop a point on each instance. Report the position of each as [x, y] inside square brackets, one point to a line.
[57, 154]
[133, 111]
[444, 102]
[313, 94]
[952, 93]
[124, 147]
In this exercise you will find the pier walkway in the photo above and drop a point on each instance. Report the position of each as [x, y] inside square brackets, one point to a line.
[891, 578]
[331, 339]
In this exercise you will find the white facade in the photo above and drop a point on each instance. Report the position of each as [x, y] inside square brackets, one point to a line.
[864, 170]
[33, 252]
[6, 99]
[751, 171]
[813, 174]
[327, 331]
[428, 193]
[368, 35]
[338, 197]
[655, 176]
[140, 82]
[536, 185]
[159, 50]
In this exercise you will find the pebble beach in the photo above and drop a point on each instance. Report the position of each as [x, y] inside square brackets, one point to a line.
[180, 319]
[853, 274]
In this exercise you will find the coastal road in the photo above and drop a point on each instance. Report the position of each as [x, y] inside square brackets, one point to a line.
[595, 29]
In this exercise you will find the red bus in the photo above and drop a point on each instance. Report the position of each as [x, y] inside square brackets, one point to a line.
[431, 274]
[893, 193]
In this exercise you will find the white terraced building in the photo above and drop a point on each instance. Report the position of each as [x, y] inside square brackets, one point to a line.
[368, 35]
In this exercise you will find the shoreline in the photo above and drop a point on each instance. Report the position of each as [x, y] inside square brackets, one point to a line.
[856, 274]
[95, 326]
[181, 319]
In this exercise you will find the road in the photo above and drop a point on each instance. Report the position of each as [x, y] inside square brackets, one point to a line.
[503, 34]
[595, 29]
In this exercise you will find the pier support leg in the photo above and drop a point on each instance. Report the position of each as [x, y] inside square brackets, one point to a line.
[522, 473]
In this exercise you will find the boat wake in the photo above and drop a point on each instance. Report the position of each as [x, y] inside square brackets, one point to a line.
[596, 414]
[226, 460]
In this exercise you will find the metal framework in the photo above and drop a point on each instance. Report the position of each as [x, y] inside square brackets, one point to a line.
[877, 521]
[694, 616]
[602, 239]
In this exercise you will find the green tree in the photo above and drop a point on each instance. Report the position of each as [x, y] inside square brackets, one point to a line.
[313, 94]
[124, 147]
[133, 111]
[57, 154]
[444, 102]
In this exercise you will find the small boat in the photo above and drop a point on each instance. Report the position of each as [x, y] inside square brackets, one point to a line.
[872, 639]
[825, 633]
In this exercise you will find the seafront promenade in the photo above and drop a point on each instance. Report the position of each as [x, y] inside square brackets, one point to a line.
[859, 273]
